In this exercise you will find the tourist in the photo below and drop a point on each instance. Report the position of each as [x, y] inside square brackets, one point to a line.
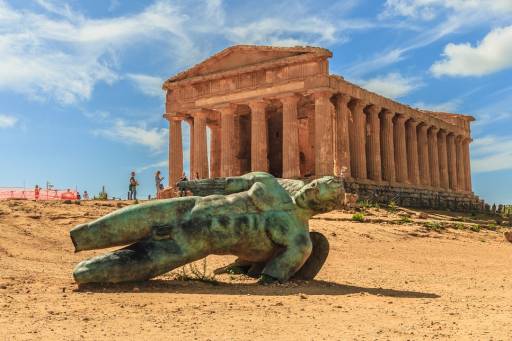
[36, 192]
[158, 183]
[86, 195]
[132, 188]
[182, 190]
[78, 197]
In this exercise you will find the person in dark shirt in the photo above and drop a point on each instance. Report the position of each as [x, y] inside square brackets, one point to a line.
[182, 190]
[132, 188]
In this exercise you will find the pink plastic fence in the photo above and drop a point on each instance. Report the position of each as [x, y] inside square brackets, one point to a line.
[44, 194]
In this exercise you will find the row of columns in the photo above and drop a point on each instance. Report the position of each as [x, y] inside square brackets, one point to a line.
[391, 147]
[362, 141]
[222, 162]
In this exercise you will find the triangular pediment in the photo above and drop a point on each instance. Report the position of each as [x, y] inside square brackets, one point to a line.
[240, 56]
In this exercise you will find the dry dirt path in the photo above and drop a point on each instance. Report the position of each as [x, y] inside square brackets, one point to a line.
[380, 282]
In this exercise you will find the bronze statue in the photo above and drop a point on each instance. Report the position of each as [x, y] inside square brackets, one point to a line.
[260, 219]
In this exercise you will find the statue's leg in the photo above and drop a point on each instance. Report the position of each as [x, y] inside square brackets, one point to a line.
[140, 261]
[317, 258]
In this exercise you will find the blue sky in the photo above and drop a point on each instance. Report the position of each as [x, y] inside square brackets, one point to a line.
[80, 98]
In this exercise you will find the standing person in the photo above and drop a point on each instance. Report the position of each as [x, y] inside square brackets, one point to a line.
[36, 192]
[132, 188]
[182, 190]
[86, 195]
[158, 183]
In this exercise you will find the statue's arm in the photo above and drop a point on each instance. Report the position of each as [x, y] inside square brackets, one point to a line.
[296, 248]
[224, 186]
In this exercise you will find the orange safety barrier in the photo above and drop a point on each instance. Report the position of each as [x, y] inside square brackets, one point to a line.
[44, 194]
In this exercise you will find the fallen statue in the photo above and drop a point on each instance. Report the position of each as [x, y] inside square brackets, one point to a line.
[256, 217]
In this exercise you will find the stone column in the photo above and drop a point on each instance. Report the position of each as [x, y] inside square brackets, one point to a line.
[324, 156]
[358, 139]
[175, 150]
[227, 131]
[373, 143]
[433, 154]
[444, 176]
[399, 140]
[461, 168]
[452, 161]
[387, 146]
[423, 153]
[259, 161]
[192, 168]
[200, 145]
[412, 152]
[215, 150]
[467, 163]
[342, 139]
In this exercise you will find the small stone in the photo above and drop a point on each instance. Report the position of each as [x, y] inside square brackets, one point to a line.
[508, 236]
[423, 215]
[303, 296]
[136, 289]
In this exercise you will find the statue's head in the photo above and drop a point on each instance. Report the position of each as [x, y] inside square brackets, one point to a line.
[321, 195]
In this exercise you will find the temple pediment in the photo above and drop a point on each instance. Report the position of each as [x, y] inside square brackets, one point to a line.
[240, 56]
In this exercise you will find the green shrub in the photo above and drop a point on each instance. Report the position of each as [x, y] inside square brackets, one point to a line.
[358, 217]
[475, 228]
[433, 226]
[404, 219]
[392, 206]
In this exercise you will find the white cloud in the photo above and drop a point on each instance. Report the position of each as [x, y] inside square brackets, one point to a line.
[7, 121]
[492, 153]
[63, 55]
[277, 31]
[448, 106]
[492, 54]
[163, 163]
[60, 54]
[153, 138]
[392, 85]
[148, 85]
[430, 9]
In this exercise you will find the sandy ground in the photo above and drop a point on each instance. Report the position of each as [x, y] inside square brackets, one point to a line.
[381, 281]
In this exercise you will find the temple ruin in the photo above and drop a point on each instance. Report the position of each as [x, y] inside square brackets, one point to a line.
[277, 109]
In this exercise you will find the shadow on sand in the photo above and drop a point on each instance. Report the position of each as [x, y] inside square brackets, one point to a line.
[219, 288]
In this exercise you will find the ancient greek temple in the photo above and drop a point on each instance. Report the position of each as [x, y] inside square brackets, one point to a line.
[279, 110]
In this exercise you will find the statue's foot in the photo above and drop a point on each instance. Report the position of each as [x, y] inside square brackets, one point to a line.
[266, 280]
[317, 258]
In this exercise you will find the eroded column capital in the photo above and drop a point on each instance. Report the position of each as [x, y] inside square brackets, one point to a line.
[173, 116]
[322, 95]
[343, 99]
[434, 130]
[423, 127]
[387, 113]
[357, 104]
[200, 114]
[401, 118]
[226, 109]
[257, 104]
[289, 99]
[373, 109]
[442, 133]
[413, 123]
[459, 138]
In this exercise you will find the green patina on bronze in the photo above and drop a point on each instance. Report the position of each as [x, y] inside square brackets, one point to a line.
[260, 219]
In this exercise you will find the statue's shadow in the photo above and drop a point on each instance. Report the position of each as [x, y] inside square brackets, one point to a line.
[220, 288]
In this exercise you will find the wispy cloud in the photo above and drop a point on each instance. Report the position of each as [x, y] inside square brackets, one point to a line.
[492, 54]
[163, 163]
[63, 54]
[152, 138]
[7, 121]
[492, 153]
[148, 85]
[393, 85]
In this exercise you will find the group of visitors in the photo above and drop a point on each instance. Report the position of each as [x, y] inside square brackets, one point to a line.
[133, 183]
